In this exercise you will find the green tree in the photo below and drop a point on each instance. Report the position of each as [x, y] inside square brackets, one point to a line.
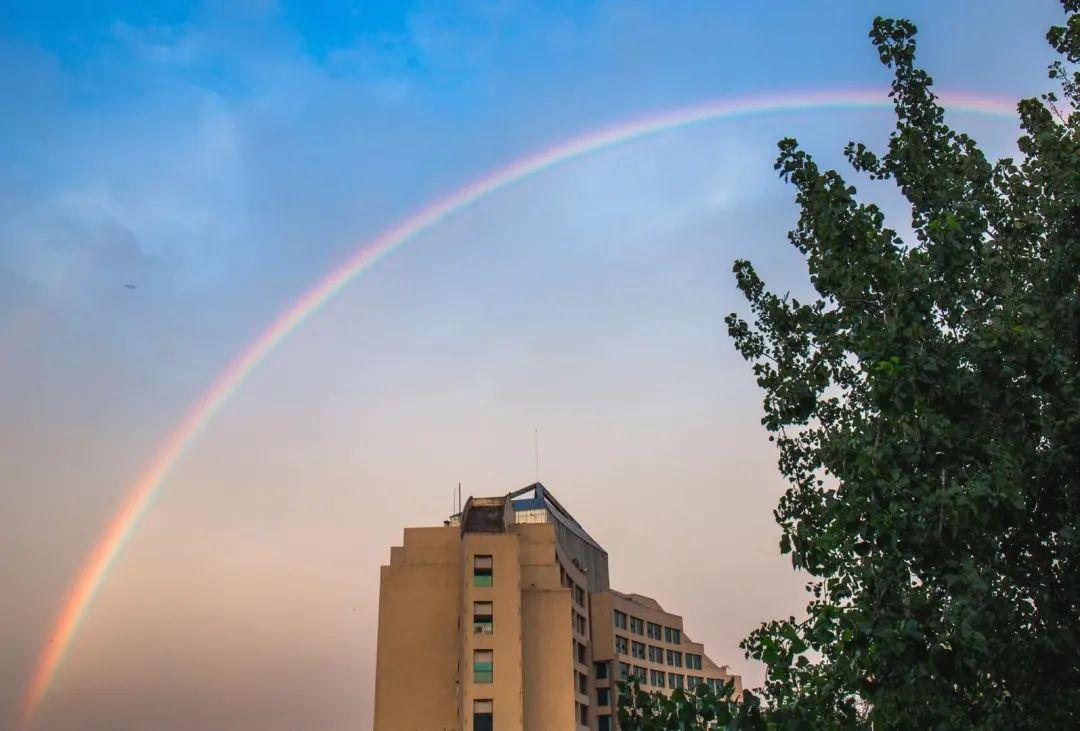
[926, 407]
[703, 709]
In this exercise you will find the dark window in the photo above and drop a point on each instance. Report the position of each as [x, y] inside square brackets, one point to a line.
[620, 619]
[637, 626]
[482, 570]
[601, 670]
[482, 719]
[584, 715]
[583, 683]
[622, 645]
[483, 666]
[603, 696]
[653, 631]
[675, 680]
[674, 658]
[482, 618]
[603, 723]
[657, 678]
[579, 596]
[641, 673]
[579, 623]
[637, 649]
[624, 671]
[580, 653]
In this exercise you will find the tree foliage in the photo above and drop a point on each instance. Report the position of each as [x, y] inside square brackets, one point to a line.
[704, 708]
[926, 407]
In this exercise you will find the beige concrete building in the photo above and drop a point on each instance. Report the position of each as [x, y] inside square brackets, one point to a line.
[502, 618]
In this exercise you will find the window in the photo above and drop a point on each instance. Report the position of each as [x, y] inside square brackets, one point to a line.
[579, 596]
[580, 653]
[653, 631]
[675, 680]
[641, 674]
[483, 666]
[674, 658]
[672, 635]
[579, 623]
[637, 625]
[482, 618]
[657, 678]
[622, 645]
[583, 683]
[482, 719]
[656, 654]
[482, 570]
[624, 671]
[620, 619]
[693, 662]
[601, 670]
[603, 696]
[584, 715]
[691, 681]
[603, 723]
[637, 649]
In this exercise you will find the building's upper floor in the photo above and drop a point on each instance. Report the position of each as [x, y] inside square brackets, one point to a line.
[531, 505]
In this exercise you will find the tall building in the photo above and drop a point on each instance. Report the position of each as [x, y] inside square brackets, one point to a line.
[502, 618]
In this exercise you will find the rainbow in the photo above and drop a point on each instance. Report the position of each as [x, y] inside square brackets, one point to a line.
[141, 494]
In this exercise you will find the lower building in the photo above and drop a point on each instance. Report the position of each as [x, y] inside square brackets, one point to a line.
[502, 618]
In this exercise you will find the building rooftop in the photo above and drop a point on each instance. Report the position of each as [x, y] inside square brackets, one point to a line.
[542, 499]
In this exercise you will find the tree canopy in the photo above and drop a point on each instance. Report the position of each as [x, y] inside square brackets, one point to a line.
[926, 407]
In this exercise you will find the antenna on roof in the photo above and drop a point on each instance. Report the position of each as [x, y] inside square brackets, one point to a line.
[536, 448]
[459, 498]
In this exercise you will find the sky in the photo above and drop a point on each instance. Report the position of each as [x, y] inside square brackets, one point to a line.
[222, 157]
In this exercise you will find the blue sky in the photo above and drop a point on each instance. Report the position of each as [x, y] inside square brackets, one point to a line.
[222, 156]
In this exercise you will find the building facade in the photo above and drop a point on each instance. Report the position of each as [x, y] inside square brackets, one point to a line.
[502, 618]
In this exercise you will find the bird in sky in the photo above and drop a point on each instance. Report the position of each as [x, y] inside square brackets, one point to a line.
[130, 286]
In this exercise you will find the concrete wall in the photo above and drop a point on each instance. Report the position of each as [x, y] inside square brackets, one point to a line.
[417, 652]
[548, 652]
[549, 680]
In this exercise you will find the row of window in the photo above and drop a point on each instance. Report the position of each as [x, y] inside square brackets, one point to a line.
[660, 679]
[577, 591]
[638, 626]
[656, 654]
